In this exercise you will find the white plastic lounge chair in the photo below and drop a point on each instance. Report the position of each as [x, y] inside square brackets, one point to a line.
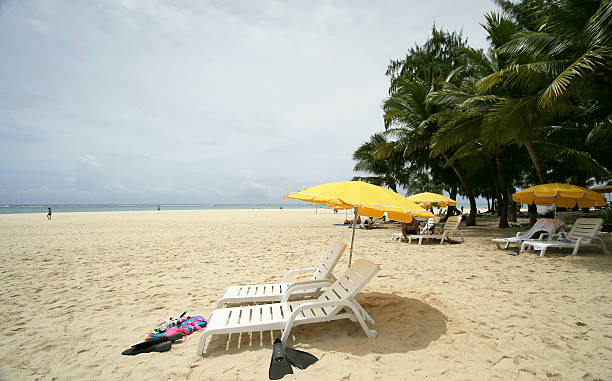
[337, 302]
[272, 292]
[546, 225]
[583, 233]
[424, 230]
[451, 228]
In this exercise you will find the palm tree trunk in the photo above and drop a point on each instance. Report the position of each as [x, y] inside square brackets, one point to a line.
[453, 194]
[471, 221]
[536, 160]
[391, 183]
[512, 209]
[503, 193]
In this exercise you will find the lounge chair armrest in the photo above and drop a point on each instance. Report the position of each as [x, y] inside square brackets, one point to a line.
[304, 285]
[518, 234]
[329, 303]
[549, 236]
[298, 271]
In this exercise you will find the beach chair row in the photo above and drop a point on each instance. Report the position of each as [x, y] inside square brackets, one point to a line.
[583, 233]
[286, 306]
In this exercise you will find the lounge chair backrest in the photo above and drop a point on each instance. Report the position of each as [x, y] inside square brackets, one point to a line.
[350, 283]
[430, 223]
[330, 261]
[452, 223]
[543, 225]
[585, 228]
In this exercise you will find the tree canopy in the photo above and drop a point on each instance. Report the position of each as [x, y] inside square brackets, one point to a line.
[535, 107]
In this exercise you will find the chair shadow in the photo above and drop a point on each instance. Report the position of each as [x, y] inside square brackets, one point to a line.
[403, 325]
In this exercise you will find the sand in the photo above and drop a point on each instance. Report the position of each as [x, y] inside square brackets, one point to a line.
[78, 290]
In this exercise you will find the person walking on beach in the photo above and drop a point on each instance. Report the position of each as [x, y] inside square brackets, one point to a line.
[49, 214]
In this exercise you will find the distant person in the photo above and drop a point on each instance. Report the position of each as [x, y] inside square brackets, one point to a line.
[49, 214]
[281, 206]
[462, 210]
[411, 227]
[158, 208]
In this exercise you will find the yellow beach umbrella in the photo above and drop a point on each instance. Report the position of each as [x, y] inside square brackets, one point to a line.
[427, 199]
[564, 195]
[367, 200]
[603, 189]
[555, 194]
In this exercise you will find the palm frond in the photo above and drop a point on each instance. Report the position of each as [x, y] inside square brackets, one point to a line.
[525, 77]
[588, 63]
[535, 46]
[602, 132]
[464, 129]
[599, 26]
[509, 120]
[467, 150]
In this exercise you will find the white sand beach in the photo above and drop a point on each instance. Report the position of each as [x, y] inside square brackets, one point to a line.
[83, 287]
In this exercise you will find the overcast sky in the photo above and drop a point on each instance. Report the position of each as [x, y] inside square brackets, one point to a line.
[198, 101]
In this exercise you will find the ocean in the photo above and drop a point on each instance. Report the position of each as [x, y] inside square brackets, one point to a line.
[19, 209]
[59, 208]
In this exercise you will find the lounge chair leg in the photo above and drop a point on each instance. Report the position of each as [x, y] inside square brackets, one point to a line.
[202, 343]
[542, 252]
[286, 332]
[369, 332]
[603, 245]
[365, 315]
[443, 237]
[576, 249]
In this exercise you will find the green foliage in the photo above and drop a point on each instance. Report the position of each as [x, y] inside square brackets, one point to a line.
[607, 215]
[533, 108]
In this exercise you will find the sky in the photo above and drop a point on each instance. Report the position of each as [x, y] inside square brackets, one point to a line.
[151, 101]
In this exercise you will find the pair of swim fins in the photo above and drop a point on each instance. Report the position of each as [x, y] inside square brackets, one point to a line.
[283, 358]
[160, 344]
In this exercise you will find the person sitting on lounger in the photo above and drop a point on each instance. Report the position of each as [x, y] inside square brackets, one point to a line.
[411, 227]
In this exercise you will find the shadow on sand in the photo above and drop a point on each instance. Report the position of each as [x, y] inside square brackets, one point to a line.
[403, 325]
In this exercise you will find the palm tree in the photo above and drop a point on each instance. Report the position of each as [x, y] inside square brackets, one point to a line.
[406, 112]
[561, 69]
[473, 122]
[408, 118]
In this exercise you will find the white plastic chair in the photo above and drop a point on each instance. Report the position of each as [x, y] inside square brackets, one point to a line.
[546, 225]
[337, 302]
[451, 228]
[583, 233]
[271, 292]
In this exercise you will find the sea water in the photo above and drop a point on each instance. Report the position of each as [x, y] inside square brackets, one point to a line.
[18, 209]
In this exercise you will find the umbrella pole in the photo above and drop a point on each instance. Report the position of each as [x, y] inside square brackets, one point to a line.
[555, 206]
[353, 237]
